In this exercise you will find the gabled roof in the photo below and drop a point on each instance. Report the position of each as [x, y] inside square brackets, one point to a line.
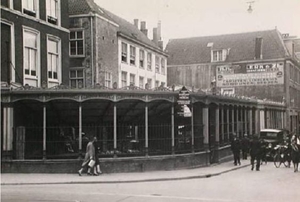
[241, 47]
[77, 7]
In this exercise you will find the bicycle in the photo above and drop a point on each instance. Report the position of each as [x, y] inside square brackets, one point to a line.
[282, 156]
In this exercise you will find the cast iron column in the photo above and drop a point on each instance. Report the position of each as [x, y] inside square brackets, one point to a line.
[146, 130]
[44, 130]
[80, 131]
[115, 130]
[173, 131]
[192, 128]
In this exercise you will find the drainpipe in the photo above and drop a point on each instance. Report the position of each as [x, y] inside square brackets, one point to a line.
[92, 51]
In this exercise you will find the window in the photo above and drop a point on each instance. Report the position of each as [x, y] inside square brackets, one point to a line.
[163, 69]
[124, 52]
[219, 55]
[77, 78]
[157, 64]
[76, 43]
[52, 9]
[149, 61]
[141, 82]
[142, 58]
[124, 79]
[132, 79]
[53, 58]
[30, 53]
[149, 81]
[108, 78]
[30, 7]
[156, 84]
[132, 55]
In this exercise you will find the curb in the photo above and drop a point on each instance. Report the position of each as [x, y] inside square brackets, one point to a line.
[131, 181]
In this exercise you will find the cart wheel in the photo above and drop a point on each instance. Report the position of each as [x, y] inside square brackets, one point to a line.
[277, 160]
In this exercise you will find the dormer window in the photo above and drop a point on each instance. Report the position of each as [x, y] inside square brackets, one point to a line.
[219, 55]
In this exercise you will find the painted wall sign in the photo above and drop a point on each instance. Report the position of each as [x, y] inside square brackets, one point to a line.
[250, 74]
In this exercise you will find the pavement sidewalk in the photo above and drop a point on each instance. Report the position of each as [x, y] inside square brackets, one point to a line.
[49, 178]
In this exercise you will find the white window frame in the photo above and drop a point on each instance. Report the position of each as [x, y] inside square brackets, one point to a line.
[124, 52]
[35, 77]
[141, 82]
[123, 78]
[156, 83]
[157, 64]
[132, 79]
[149, 82]
[58, 54]
[32, 11]
[163, 66]
[132, 55]
[149, 61]
[76, 78]
[76, 40]
[220, 55]
[142, 59]
[50, 17]
[108, 79]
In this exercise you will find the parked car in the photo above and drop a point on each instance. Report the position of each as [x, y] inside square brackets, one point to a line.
[271, 138]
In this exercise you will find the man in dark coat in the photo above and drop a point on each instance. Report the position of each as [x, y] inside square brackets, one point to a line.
[255, 152]
[236, 150]
[245, 146]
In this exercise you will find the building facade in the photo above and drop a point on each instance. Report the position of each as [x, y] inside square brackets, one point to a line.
[259, 64]
[34, 36]
[106, 49]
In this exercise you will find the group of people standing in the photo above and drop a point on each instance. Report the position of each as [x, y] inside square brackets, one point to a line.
[91, 159]
[256, 148]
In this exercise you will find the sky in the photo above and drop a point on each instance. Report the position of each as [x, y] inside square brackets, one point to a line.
[192, 18]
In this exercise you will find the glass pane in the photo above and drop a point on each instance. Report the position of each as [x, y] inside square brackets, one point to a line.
[73, 83]
[80, 51]
[33, 73]
[55, 75]
[79, 73]
[30, 39]
[79, 34]
[33, 59]
[54, 63]
[52, 46]
[26, 59]
[49, 74]
[49, 61]
[72, 74]
[72, 35]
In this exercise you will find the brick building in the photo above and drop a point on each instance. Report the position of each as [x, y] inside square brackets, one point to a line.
[262, 64]
[27, 27]
[106, 49]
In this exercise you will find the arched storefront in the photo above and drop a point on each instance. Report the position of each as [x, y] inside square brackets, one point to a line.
[141, 129]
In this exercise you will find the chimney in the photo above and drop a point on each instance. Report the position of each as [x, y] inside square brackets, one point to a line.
[155, 39]
[136, 22]
[159, 30]
[143, 28]
[258, 48]
[161, 44]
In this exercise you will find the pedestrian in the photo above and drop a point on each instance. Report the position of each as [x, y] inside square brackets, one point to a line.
[245, 146]
[255, 152]
[97, 169]
[295, 153]
[236, 149]
[89, 159]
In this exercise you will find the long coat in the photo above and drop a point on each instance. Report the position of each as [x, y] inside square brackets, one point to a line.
[90, 153]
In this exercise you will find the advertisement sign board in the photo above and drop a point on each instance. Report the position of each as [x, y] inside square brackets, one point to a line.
[183, 101]
[257, 74]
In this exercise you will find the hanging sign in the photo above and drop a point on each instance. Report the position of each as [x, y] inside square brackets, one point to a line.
[183, 101]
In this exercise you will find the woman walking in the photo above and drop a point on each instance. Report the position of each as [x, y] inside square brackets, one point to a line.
[89, 159]
[295, 144]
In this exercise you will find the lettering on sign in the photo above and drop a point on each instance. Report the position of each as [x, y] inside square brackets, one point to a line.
[250, 74]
